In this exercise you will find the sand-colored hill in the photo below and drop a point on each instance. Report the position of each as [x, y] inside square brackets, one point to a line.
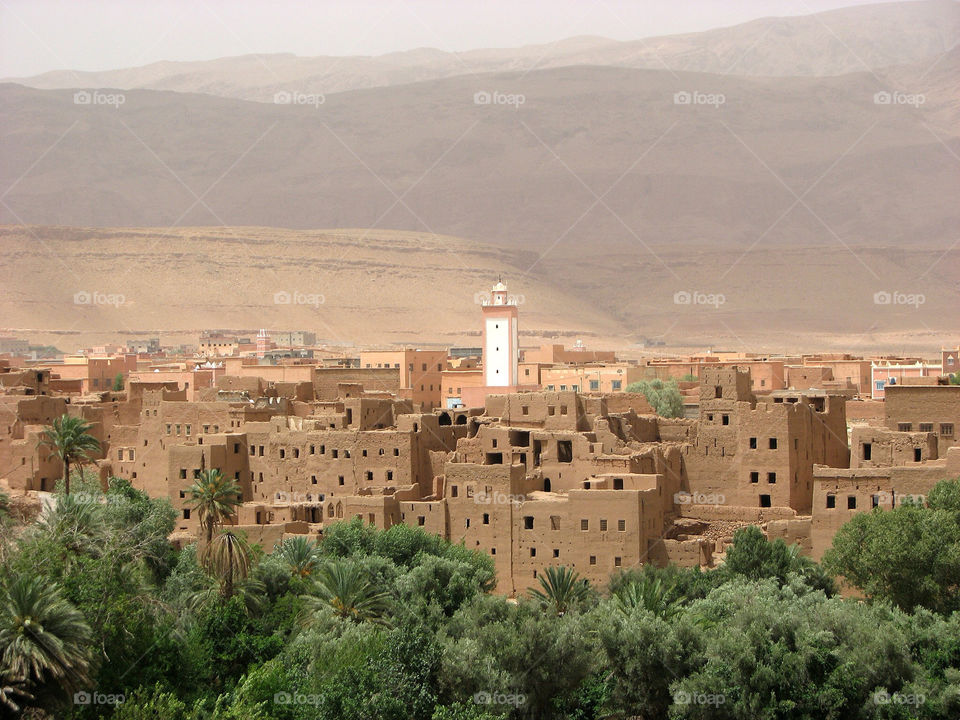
[73, 287]
[854, 39]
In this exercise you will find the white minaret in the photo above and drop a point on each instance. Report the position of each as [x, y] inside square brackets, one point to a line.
[501, 351]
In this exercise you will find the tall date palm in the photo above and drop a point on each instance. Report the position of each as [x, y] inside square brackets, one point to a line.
[69, 439]
[215, 498]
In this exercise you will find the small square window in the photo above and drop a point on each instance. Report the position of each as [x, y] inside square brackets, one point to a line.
[831, 501]
[851, 502]
[603, 525]
[771, 477]
[528, 522]
[593, 559]
[556, 552]
[621, 525]
[754, 477]
[753, 443]
[773, 443]
[584, 524]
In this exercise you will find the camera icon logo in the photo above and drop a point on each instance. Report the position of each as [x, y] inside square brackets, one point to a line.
[681, 297]
[682, 98]
[82, 298]
[283, 98]
[82, 698]
[282, 298]
[481, 98]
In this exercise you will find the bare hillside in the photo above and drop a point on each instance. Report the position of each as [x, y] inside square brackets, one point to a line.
[72, 287]
[855, 39]
[603, 156]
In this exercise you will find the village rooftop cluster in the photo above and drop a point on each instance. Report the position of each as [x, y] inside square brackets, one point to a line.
[538, 456]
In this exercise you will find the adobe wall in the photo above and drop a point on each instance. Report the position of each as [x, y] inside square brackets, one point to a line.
[861, 489]
[880, 447]
[325, 380]
[796, 531]
[916, 405]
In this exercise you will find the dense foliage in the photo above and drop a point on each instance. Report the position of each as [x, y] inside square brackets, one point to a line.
[101, 617]
[664, 397]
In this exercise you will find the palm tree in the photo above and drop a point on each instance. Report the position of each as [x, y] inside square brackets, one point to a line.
[229, 559]
[299, 554]
[648, 593]
[75, 523]
[69, 439]
[562, 589]
[42, 637]
[215, 499]
[344, 587]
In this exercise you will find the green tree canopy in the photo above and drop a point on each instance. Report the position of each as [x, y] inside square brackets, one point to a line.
[664, 397]
[908, 556]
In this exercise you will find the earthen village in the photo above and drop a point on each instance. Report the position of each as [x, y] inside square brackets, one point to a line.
[538, 456]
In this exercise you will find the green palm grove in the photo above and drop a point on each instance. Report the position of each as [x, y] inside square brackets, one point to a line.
[399, 624]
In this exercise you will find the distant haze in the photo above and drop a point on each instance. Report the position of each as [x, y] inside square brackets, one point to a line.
[41, 35]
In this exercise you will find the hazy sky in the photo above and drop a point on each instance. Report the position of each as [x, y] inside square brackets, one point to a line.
[41, 35]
